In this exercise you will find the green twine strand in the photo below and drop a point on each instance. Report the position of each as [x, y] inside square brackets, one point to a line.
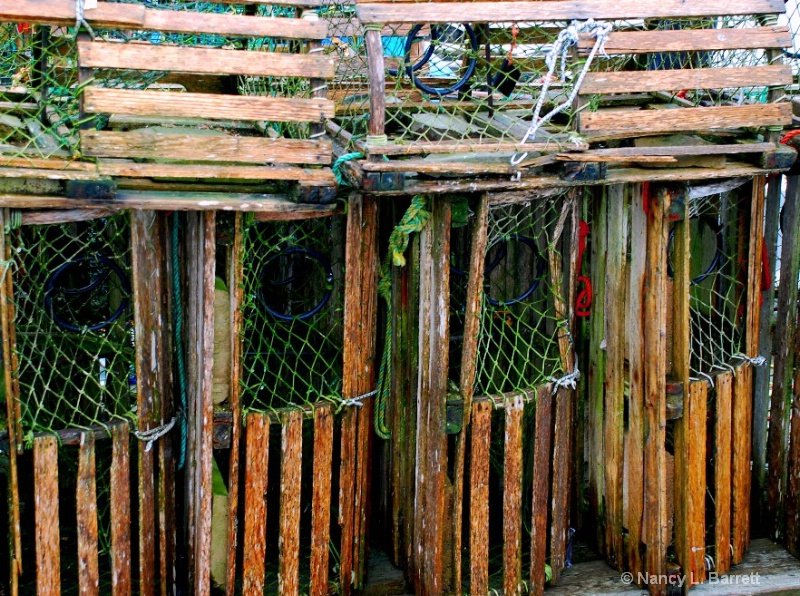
[176, 285]
[414, 219]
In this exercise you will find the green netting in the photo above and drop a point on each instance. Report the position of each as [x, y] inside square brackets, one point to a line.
[518, 343]
[74, 329]
[293, 313]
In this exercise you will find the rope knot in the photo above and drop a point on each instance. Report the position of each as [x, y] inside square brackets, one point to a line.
[154, 434]
[757, 361]
[569, 381]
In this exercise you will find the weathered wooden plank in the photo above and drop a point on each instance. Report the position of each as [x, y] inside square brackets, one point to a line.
[685, 78]
[561, 479]
[685, 119]
[291, 477]
[321, 500]
[722, 472]
[347, 489]
[634, 439]
[614, 405]
[633, 153]
[469, 360]
[141, 144]
[542, 455]
[566, 10]
[654, 327]
[512, 497]
[479, 498]
[120, 512]
[377, 80]
[695, 479]
[475, 145]
[191, 60]
[206, 105]
[793, 473]
[62, 12]
[48, 542]
[683, 40]
[255, 504]
[86, 510]
[740, 495]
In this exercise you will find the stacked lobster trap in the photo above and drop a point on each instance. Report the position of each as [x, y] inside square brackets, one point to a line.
[672, 354]
[527, 90]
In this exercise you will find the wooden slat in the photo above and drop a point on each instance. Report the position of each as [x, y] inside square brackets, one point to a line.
[634, 439]
[120, 512]
[512, 497]
[685, 119]
[695, 480]
[291, 477]
[140, 144]
[347, 489]
[206, 105]
[48, 542]
[321, 501]
[722, 473]
[685, 78]
[566, 10]
[62, 12]
[633, 153]
[682, 40]
[479, 498]
[614, 405]
[255, 504]
[740, 496]
[86, 510]
[561, 479]
[542, 456]
[299, 3]
[97, 54]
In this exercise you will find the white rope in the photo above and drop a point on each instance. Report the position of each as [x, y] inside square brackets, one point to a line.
[80, 18]
[705, 376]
[358, 400]
[569, 381]
[757, 361]
[154, 434]
[566, 39]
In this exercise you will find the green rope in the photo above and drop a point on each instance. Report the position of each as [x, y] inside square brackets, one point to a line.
[414, 219]
[337, 167]
[176, 286]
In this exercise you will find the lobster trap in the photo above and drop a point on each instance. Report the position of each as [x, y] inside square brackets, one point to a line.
[671, 363]
[528, 90]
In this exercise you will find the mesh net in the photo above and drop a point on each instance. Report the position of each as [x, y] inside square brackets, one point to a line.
[74, 330]
[293, 313]
[518, 343]
[791, 18]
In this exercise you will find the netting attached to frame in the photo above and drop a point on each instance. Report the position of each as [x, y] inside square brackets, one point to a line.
[74, 323]
[293, 313]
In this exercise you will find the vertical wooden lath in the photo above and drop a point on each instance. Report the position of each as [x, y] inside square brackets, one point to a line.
[289, 531]
[321, 500]
[481, 429]
[541, 487]
[48, 540]
[722, 472]
[255, 504]
[86, 510]
[512, 497]
[120, 511]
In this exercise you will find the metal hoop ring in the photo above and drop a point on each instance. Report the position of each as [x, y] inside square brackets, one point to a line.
[458, 85]
[716, 262]
[308, 253]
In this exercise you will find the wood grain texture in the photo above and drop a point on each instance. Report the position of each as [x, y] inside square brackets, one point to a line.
[512, 497]
[86, 510]
[377, 82]
[481, 429]
[347, 489]
[48, 540]
[255, 504]
[685, 119]
[565, 10]
[722, 472]
[685, 78]
[120, 512]
[98, 54]
[634, 438]
[291, 478]
[740, 494]
[205, 105]
[542, 455]
[321, 500]
[141, 144]
[561, 481]
[614, 403]
[696, 480]
[469, 352]
[643, 42]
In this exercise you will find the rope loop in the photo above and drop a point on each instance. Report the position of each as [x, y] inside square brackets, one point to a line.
[757, 361]
[569, 381]
[154, 434]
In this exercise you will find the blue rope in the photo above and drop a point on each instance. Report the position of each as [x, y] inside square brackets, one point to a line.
[176, 287]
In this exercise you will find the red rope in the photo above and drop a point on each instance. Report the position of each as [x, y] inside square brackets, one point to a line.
[583, 302]
[789, 136]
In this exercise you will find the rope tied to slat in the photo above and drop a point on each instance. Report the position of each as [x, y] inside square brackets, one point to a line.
[705, 376]
[154, 434]
[560, 49]
[757, 361]
[568, 381]
[80, 17]
[357, 401]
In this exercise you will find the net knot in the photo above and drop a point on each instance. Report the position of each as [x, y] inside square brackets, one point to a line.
[757, 361]
[568, 381]
[154, 434]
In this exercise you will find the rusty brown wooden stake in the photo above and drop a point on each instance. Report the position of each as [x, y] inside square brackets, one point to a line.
[722, 472]
[120, 511]
[541, 487]
[321, 500]
[481, 430]
[291, 477]
[48, 541]
[512, 497]
[86, 510]
[255, 504]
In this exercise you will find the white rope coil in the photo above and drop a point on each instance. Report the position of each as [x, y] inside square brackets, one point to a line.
[560, 49]
[154, 434]
[570, 381]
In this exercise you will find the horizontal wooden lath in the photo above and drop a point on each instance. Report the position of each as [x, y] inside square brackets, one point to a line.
[189, 147]
[639, 122]
[136, 16]
[566, 10]
[206, 105]
[140, 56]
[685, 78]
[677, 40]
